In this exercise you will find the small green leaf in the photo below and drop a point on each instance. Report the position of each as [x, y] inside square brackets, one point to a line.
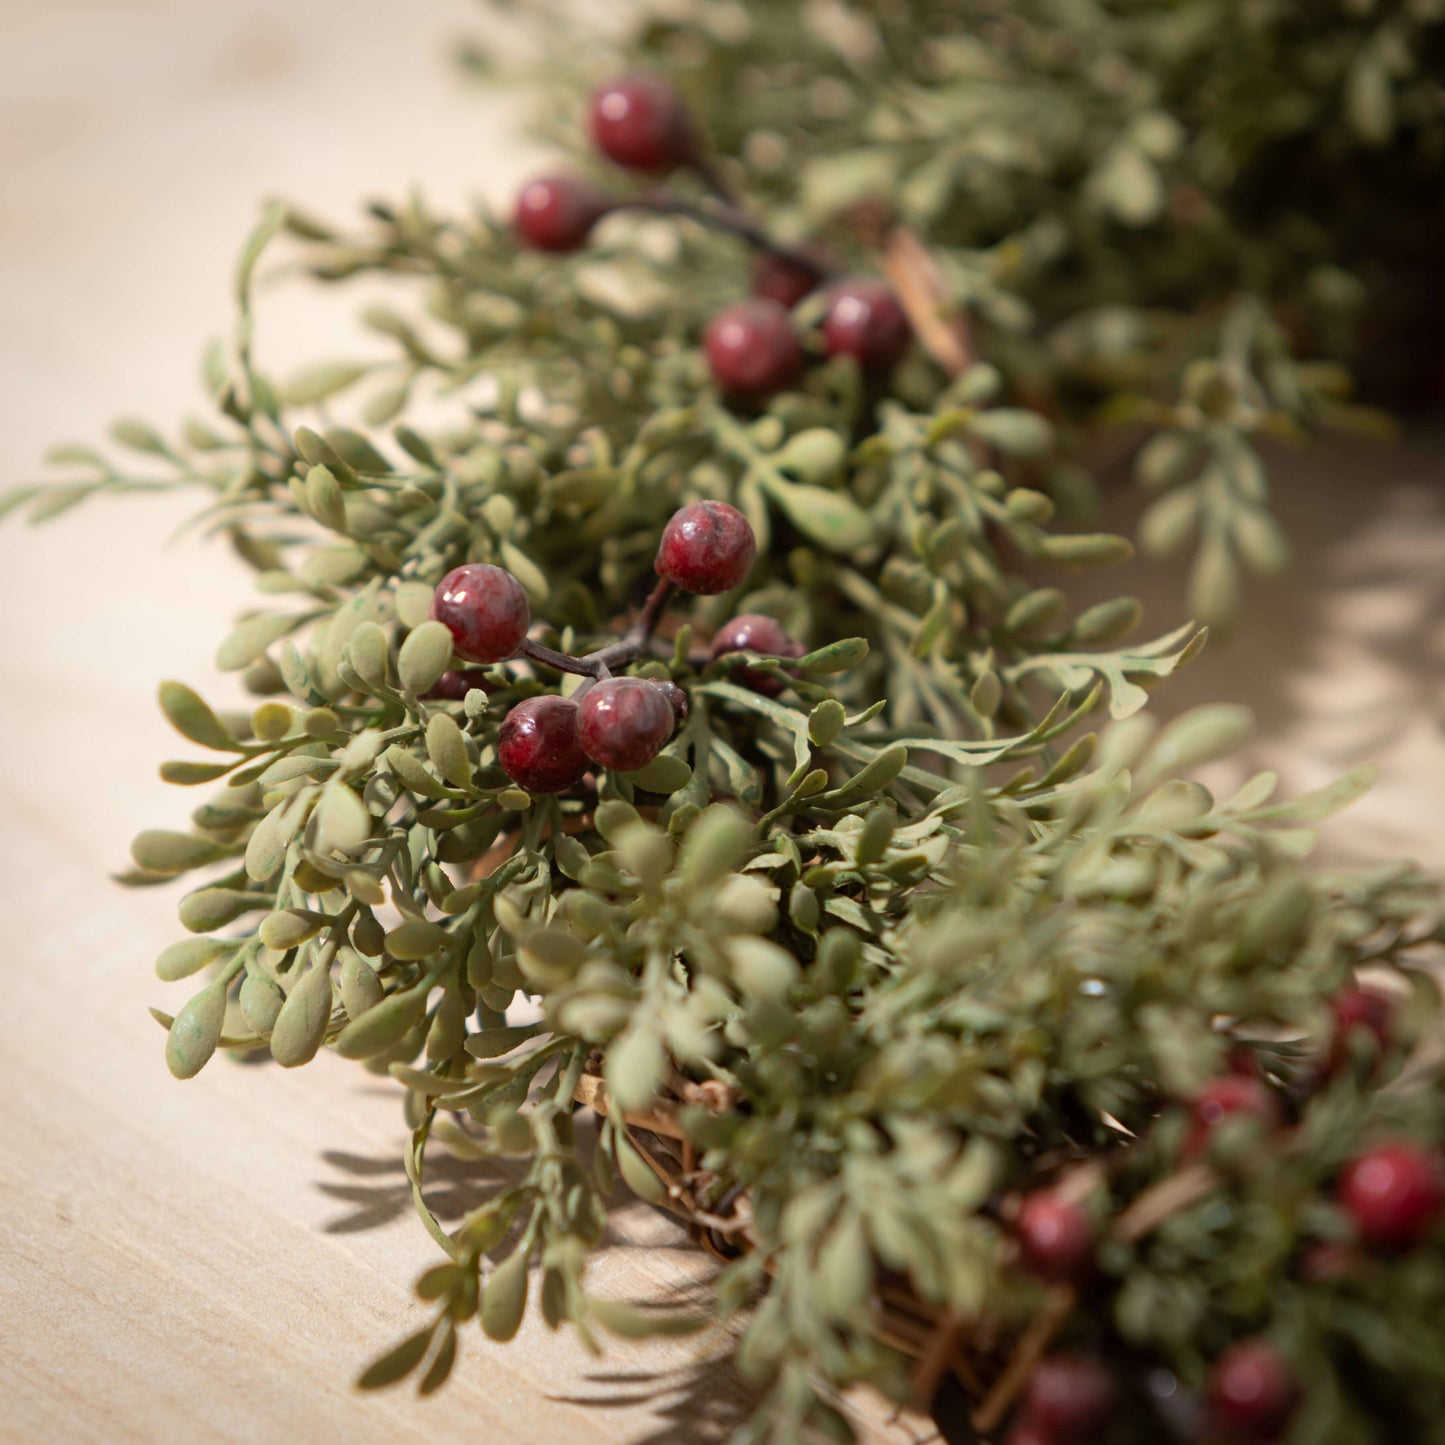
[300, 1027]
[835, 657]
[195, 1032]
[189, 714]
[158, 851]
[416, 939]
[382, 1026]
[424, 657]
[190, 956]
[504, 1297]
[447, 748]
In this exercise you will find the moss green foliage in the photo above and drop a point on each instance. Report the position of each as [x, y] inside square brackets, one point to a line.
[936, 940]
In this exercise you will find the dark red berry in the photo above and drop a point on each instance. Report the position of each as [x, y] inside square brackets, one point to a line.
[676, 698]
[557, 213]
[775, 278]
[538, 744]
[1253, 1390]
[455, 683]
[706, 548]
[1069, 1398]
[864, 320]
[752, 632]
[1056, 1236]
[642, 123]
[1358, 1012]
[1234, 1096]
[485, 610]
[752, 349]
[1394, 1193]
[625, 722]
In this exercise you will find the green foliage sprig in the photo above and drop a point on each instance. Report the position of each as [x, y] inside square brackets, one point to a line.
[896, 941]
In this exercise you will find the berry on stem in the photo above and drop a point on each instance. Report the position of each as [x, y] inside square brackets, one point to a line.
[1358, 1011]
[1069, 1398]
[752, 349]
[485, 610]
[776, 278]
[753, 632]
[1056, 1237]
[1232, 1096]
[707, 548]
[641, 123]
[1253, 1390]
[865, 320]
[625, 721]
[1395, 1194]
[455, 683]
[557, 213]
[538, 745]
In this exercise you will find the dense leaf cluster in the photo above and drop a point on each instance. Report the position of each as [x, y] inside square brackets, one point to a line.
[889, 949]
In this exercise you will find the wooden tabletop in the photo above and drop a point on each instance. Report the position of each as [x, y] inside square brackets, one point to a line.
[217, 1259]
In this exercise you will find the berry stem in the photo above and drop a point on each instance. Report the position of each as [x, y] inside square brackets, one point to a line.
[627, 648]
[730, 219]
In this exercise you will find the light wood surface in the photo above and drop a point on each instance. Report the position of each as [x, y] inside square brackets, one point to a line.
[216, 1259]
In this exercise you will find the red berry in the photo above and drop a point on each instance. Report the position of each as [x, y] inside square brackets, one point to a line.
[775, 278]
[752, 349]
[1232, 1096]
[485, 610]
[1253, 1390]
[1069, 1398]
[706, 548]
[625, 722]
[1357, 1011]
[538, 744]
[1057, 1237]
[1395, 1194]
[640, 122]
[865, 320]
[454, 685]
[752, 632]
[557, 213]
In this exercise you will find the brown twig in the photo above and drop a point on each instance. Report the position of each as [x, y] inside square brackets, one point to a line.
[626, 649]
[1036, 1339]
[918, 283]
[1156, 1204]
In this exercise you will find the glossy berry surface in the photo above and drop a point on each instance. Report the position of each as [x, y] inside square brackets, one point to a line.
[455, 683]
[1235, 1096]
[865, 320]
[775, 278]
[641, 123]
[752, 632]
[557, 213]
[1394, 1193]
[539, 747]
[1069, 1398]
[625, 722]
[1253, 1390]
[485, 610]
[1358, 1013]
[706, 548]
[752, 349]
[1056, 1237]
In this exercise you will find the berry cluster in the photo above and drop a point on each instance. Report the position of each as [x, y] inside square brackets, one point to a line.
[547, 744]
[753, 350]
[1393, 1193]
